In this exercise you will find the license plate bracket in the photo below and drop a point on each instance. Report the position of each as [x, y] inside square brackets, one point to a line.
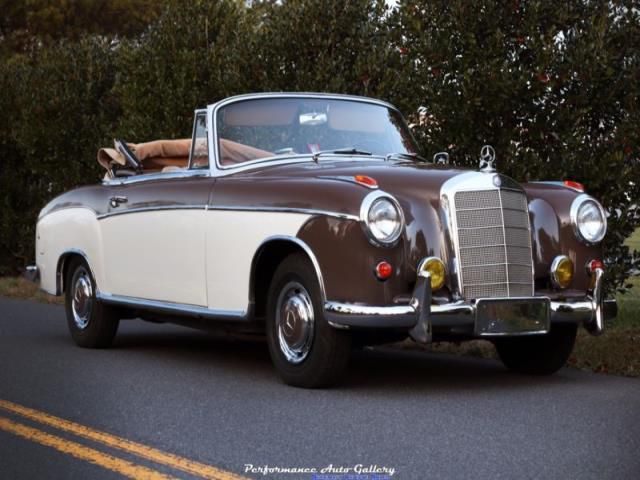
[512, 316]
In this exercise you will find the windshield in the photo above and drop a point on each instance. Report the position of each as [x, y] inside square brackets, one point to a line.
[261, 128]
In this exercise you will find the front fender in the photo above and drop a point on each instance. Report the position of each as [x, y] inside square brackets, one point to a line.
[347, 261]
[63, 232]
[553, 233]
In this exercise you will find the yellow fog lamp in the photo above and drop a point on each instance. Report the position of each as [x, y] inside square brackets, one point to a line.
[437, 273]
[561, 271]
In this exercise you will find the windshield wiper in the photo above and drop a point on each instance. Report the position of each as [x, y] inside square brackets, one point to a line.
[411, 155]
[340, 151]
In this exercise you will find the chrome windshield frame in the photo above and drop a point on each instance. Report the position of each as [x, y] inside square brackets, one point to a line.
[217, 170]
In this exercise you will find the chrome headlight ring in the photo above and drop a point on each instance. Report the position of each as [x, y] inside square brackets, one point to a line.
[582, 206]
[383, 205]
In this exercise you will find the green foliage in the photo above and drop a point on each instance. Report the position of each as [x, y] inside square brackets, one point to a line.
[332, 46]
[552, 86]
[192, 56]
[66, 108]
[11, 188]
[59, 108]
[27, 24]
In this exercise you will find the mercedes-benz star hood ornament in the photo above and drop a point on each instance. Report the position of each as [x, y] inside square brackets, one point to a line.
[487, 159]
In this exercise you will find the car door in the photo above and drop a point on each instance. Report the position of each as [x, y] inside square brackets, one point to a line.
[154, 233]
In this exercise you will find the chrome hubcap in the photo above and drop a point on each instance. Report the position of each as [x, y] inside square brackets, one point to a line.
[294, 318]
[82, 299]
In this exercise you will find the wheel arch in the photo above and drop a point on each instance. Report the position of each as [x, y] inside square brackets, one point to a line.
[62, 267]
[271, 252]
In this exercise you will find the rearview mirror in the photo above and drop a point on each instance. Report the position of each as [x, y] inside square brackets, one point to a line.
[313, 118]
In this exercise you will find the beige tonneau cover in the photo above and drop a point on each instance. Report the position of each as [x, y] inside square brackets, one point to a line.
[169, 155]
[153, 156]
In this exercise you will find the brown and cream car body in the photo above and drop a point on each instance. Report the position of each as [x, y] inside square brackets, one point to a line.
[199, 231]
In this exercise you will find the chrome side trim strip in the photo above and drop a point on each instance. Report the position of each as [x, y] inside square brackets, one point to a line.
[148, 177]
[172, 308]
[151, 209]
[307, 211]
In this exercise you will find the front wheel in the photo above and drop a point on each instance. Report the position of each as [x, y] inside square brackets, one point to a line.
[305, 349]
[91, 324]
[538, 355]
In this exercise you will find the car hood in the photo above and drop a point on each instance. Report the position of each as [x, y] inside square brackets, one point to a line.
[404, 180]
[329, 186]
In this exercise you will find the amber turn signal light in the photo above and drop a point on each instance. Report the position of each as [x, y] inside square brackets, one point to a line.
[366, 180]
[384, 270]
[437, 273]
[561, 271]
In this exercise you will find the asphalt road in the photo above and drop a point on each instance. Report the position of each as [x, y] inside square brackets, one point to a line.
[218, 402]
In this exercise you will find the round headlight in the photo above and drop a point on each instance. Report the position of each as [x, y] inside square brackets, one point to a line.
[382, 217]
[589, 219]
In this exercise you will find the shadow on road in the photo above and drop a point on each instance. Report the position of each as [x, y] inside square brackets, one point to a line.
[381, 369]
[436, 372]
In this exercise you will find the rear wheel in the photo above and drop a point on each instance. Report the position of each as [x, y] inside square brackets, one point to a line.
[91, 324]
[538, 355]
[305, 349]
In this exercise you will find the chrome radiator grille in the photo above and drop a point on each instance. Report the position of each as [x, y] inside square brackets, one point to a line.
[494, 243]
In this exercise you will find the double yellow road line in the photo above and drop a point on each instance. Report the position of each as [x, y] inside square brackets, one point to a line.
[96, 457]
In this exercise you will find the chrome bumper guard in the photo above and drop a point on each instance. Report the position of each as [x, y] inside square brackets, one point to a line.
[32, 273]
[591, 311]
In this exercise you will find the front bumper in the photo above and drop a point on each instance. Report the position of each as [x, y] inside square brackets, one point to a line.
[420, 317]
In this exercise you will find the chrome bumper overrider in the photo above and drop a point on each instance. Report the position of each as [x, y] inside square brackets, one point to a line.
[32, 273]
[591, 311]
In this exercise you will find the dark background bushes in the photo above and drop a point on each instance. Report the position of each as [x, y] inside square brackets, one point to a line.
[57, 105]
[554, 86]
[194, 54]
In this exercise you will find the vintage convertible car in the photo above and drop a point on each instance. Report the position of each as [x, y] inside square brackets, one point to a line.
[312, 219]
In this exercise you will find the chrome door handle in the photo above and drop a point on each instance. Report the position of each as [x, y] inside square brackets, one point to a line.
[117, 200]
